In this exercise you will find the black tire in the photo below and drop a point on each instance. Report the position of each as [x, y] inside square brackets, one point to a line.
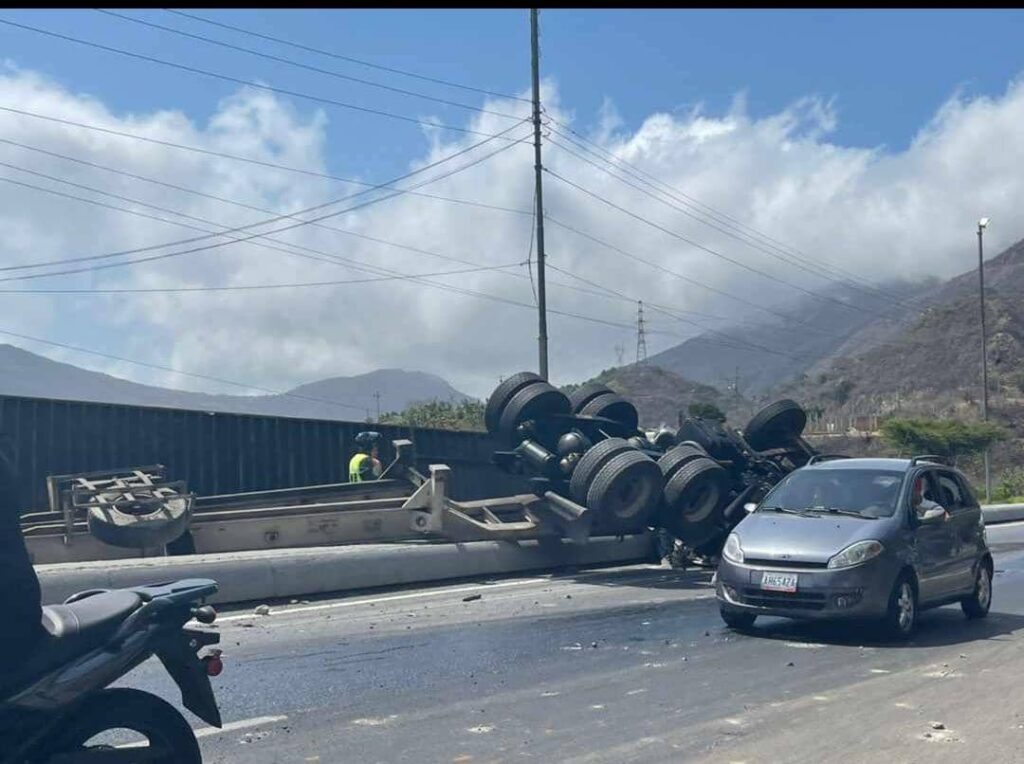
[584, 394]
[776, 426]
[535, 401]
[978, 604]
[678, 456]
[694, 499]
[901, 616]
[625, 492]
[593, 459]
[142, 531]
[503, 394]
[737, 619]
[665, 440]
[123, 708]
[612, 406]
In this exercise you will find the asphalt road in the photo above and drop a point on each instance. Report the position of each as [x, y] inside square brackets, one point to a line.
[623, 665]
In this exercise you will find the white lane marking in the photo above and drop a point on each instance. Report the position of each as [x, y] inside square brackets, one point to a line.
[240, 725]
[229, 727]
[391, 598]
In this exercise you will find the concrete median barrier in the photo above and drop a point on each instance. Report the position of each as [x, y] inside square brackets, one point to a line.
[264, 575]
[1002, 513]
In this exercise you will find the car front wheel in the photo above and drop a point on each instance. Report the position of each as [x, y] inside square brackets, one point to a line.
[901, 618]
[977, 605]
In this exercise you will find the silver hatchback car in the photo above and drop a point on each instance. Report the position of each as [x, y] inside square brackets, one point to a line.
[859, 538]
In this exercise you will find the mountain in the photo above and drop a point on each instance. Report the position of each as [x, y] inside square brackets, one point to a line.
[660, 395]
[930, 361]
[27, 374]
[762, 354]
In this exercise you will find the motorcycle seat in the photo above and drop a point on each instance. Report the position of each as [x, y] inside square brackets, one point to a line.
[74, 630]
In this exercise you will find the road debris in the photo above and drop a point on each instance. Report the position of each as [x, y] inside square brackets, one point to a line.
[472, 598]
[262, 610]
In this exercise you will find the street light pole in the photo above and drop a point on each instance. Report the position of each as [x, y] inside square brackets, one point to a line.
[982, 225]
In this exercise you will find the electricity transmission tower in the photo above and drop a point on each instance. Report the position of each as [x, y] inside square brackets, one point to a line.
[641, 334]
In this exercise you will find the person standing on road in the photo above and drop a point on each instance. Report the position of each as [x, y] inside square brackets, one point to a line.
[19, 586]
[365, 465]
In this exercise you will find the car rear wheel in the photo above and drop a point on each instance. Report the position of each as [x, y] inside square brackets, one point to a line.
[977, 605]
[901, 618]
[737, 619]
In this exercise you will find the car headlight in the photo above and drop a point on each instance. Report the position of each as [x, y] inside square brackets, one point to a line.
[732, 551]
[855, 554]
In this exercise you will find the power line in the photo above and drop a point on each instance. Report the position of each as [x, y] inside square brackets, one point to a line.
[247, 83]
[257, 162]
[205, 247]
[707, 249]
[374, 239]
[675, 274]
[300, 65]
[340, 57]
[717, 215]
[293, 216]
[418, 279]
[812, 268]
[257, 287]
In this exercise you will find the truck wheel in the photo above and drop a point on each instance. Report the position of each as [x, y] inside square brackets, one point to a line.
[693, 499]
[776, 426]
[535, 401]
[593, 459]
[625, 492]
[678, 456]
[584, 394]
[145, 530]
[612, 406]
[503, 394]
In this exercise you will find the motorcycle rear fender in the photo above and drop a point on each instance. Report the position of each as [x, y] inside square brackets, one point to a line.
[178, 654]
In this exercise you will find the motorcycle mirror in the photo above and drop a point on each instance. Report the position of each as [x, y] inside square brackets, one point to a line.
[205, 614]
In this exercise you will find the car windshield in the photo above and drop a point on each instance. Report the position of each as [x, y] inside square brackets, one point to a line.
[871, 493]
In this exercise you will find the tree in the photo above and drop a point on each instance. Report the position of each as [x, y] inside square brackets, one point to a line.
[942, 437]
[705, 411]
[440, 415]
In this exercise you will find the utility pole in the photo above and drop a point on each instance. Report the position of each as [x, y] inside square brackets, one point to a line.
[982, 225]
[377, 396]
[542, 307]
[641, 333]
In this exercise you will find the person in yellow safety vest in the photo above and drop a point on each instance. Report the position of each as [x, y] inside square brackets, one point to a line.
[365, 465]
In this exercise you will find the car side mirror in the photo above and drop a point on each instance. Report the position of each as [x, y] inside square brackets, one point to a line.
[932, 516]
[750, 506]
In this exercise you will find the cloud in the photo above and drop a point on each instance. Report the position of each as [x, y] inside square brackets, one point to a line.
[864, 209]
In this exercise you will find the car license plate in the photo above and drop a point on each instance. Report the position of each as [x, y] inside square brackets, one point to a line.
[779, 582]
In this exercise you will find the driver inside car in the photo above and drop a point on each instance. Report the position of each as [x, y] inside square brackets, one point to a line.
[921, 502]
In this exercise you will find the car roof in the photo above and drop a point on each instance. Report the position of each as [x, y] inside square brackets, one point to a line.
[895, 465]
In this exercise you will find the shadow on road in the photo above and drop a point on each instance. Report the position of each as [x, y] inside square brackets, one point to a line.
[669, 579]
[936, 628]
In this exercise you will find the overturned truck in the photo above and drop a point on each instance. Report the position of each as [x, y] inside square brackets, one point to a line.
[588, 448]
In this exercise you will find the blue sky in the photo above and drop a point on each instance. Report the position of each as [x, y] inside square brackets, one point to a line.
[887, 70]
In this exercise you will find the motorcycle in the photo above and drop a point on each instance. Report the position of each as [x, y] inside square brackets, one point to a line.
[60, 699]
